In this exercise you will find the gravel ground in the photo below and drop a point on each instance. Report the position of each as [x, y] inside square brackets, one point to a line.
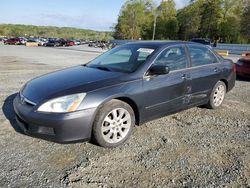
[193, 148]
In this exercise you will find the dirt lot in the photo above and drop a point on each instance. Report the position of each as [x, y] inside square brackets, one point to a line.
[194, 148]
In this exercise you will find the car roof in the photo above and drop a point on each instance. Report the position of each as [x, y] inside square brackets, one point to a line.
[157, 44]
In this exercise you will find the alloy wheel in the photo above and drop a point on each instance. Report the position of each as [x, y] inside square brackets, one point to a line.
[219, 95]
[116, 125]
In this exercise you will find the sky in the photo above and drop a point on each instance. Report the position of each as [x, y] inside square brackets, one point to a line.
[98, 15]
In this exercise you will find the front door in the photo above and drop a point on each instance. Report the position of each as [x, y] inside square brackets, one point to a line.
[167, 93]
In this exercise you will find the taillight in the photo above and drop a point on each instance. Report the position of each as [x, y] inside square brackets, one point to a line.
[234, 67]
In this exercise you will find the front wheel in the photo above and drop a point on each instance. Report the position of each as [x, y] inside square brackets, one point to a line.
[113, 124]
[217, 96]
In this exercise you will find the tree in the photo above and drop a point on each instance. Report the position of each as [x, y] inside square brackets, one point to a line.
[189, 21]
[167, 23]
[211, 16]
[132, 19]
[227, 20]
[245, 23]
[230, 32]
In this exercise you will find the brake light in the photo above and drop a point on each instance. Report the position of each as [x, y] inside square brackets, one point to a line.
[234, 68]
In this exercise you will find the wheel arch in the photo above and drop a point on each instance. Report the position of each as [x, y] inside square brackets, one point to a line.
[133, 105]
[225, 82]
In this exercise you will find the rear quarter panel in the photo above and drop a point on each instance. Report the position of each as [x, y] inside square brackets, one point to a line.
[228, 73]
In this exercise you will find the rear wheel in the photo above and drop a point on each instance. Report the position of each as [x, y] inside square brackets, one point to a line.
[217, 96]
[113, 124]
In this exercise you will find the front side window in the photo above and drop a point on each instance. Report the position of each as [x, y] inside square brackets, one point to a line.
[174, 58]
[125, 58]
[201, 56]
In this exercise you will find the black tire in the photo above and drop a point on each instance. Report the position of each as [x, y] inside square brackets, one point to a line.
[100, 137]
[212, 99]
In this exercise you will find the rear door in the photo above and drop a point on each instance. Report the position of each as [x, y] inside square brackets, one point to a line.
[205, 72]
[166, 93]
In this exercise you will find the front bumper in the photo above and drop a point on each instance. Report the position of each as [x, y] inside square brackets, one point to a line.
[62, 128]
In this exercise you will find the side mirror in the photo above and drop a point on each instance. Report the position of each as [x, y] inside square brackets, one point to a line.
[158, 70]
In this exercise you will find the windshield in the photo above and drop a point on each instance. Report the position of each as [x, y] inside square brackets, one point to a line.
[125, 58]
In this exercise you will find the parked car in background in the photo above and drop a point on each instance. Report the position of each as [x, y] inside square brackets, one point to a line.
[33, 40]
[41, 41]
[70, 43]
[77, 42]
[243, 66]
[204, 41]
[55, 43]
[14, 41]
[2, 39]
[84, 42]
[23, 40]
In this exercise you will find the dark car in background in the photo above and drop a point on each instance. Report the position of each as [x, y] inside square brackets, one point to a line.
[59, 42]
[204, 41]
[55, 43]
[243, 66]
[130, 84]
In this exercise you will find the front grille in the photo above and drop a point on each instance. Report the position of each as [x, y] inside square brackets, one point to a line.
[35, 128]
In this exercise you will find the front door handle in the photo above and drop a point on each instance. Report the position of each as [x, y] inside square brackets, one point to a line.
[216, 69]
[186, 77]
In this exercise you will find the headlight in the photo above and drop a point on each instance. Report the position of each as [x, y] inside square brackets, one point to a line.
[68, 103]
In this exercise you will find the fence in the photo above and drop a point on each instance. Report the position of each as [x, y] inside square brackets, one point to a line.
[234, 48]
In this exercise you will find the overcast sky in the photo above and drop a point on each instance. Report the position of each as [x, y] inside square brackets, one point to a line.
[88, 14]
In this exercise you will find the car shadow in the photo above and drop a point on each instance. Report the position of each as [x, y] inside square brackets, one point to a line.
[9, 113]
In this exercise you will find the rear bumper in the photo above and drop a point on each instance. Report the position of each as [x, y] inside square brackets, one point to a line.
[241, 71]
[62, 128]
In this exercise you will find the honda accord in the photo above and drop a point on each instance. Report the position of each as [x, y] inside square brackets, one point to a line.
[126, 86]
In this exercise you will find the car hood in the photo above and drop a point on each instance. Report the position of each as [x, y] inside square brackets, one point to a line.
[68, 81]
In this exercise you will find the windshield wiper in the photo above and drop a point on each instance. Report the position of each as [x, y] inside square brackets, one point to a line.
[103, 68]
[99, 67]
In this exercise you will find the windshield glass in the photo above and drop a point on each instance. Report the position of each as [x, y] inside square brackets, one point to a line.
[125, 58]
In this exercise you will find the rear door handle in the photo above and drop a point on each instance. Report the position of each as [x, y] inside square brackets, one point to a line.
[216, 69]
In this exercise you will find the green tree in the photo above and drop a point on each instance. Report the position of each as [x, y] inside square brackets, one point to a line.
[245, 23]
[189, 21]
[47, 31]
[167, 23]
[132, 19]
[230, 32]
[211, 16]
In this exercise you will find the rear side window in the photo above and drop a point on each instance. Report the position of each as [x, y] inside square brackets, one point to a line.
[173, 57]
[201, 56]
[142, 56]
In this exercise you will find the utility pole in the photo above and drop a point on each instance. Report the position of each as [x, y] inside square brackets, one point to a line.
[157, 12]
[155, 17]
